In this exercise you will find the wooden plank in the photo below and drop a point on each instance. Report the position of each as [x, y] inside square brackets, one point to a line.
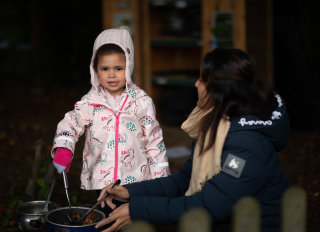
[147, 84]
[195, 220]
[239, 24]
[107, 7]
[179, 58]
[137, 72]
[112, 7]
[225, 5]
[246, 215]
[294, 210]
[207, 36]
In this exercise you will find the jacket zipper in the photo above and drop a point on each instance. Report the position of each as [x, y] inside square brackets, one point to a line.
[117, 141]
[115, 174]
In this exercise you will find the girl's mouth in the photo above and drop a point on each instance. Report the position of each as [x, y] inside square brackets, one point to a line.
[112, 84]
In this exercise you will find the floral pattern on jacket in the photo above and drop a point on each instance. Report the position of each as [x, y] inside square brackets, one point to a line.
[124, 144]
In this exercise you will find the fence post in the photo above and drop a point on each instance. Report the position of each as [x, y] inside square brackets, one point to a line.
[294, 209]
[246, 215]
[195, 220]
[140, 226]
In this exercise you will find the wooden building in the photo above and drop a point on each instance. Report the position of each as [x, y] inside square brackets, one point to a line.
[171, 37]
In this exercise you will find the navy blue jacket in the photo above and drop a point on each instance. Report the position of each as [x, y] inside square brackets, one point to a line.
[256, 142]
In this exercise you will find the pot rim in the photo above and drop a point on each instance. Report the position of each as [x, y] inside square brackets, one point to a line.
[33, 203]
[73, 207]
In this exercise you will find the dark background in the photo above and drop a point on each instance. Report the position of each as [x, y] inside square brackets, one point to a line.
[46, 46]
[45, 51]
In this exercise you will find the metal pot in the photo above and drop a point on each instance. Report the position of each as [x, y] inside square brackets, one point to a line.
[57, 220]
[30, 215]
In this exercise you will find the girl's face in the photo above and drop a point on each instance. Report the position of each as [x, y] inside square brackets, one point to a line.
[111, 73]
[202, 92]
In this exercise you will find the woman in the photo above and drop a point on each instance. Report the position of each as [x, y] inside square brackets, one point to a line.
[238, 127]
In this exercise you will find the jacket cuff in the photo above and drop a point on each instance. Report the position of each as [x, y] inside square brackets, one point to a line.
[135, 190]
[64, 143]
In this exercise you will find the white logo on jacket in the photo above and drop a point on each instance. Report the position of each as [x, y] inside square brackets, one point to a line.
[233, 163]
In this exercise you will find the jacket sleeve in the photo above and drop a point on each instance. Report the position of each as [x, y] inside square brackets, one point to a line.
[71, 127]
[217, 196]
[154, 145]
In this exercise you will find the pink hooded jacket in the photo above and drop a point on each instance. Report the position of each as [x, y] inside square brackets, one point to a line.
[123, 139]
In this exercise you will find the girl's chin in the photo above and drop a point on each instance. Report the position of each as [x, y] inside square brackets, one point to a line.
[115, 91]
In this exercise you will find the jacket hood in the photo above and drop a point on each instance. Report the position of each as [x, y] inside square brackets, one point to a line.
[276, 129]
[120, 37]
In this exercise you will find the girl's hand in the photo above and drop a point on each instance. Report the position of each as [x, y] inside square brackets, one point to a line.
[118, 193]
[121, 217]
[62, 159]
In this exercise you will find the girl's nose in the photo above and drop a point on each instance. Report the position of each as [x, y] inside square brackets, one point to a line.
[111, 73]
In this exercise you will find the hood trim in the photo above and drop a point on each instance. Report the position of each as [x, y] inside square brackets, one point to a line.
[120, 37]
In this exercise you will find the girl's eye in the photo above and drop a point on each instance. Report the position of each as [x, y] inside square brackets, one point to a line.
[103, 68]
[118, 68]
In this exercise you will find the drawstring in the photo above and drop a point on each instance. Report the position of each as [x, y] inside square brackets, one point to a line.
[127, 90]
[125, 97]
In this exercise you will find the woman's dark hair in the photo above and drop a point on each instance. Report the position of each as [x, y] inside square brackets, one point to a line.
[233, 89]
[106, 49]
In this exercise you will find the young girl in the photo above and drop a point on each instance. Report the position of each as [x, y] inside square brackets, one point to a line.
[123, 139]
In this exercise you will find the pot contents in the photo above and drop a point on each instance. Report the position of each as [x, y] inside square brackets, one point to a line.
[90, 219]
[57, 219]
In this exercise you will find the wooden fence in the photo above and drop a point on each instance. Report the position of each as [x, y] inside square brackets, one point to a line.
[245, 218]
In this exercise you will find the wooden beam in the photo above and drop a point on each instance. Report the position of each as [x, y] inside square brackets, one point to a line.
[239, 9]
[147, 78]
[207, 36]
[112, 7]
[107, 7]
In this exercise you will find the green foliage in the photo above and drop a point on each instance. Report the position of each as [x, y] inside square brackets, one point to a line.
[43, 186]
[7, 218]
[43, 169]
[224, 26]
[43, 189]
[74, 198]
[223, 30]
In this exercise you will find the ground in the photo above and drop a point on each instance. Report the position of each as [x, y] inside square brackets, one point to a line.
[26, 119]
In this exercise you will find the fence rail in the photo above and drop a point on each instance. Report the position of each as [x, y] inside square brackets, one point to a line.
[245, 218]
